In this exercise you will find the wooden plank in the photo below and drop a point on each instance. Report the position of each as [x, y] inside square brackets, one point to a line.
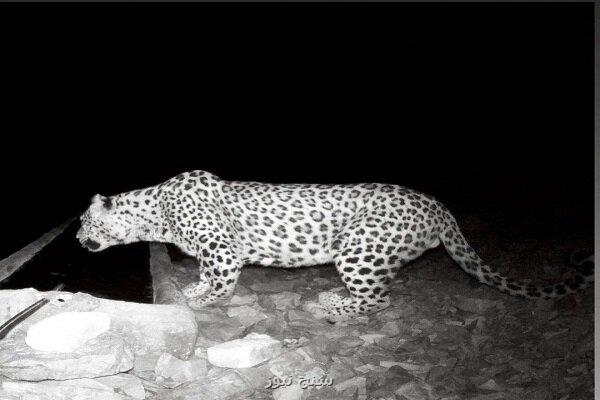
[15, 261]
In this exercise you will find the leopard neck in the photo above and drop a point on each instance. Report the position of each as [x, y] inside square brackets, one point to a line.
[142, 208]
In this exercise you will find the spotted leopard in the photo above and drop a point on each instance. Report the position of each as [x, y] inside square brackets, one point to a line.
[367, 230]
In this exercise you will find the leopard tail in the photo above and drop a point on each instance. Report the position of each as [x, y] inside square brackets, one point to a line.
[463, 254]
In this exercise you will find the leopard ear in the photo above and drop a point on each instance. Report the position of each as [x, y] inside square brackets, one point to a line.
[105, 202]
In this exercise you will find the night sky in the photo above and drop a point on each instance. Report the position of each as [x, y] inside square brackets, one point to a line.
[487, 105]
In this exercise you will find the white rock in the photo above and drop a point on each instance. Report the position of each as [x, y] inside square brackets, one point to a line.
[66, 331]
[244, 353]
[175, 371]
[291, 392]
[248, 316]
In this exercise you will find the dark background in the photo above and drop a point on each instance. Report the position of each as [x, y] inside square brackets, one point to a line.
[486, 106]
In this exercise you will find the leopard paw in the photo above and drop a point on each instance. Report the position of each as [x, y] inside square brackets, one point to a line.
[196, 289]
[332, 300]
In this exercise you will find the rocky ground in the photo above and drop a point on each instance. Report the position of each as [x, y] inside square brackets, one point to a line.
[444, 337]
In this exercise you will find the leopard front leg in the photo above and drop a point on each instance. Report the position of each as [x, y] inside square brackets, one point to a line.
[220, 267]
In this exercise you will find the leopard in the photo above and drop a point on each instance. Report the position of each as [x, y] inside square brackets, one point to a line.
[368, 231]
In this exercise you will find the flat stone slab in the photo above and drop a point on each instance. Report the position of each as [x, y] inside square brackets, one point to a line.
[146, 328]
[106, 354]
[116, 387]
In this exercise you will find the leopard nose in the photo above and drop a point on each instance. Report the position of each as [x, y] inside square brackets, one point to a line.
[90, 244]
